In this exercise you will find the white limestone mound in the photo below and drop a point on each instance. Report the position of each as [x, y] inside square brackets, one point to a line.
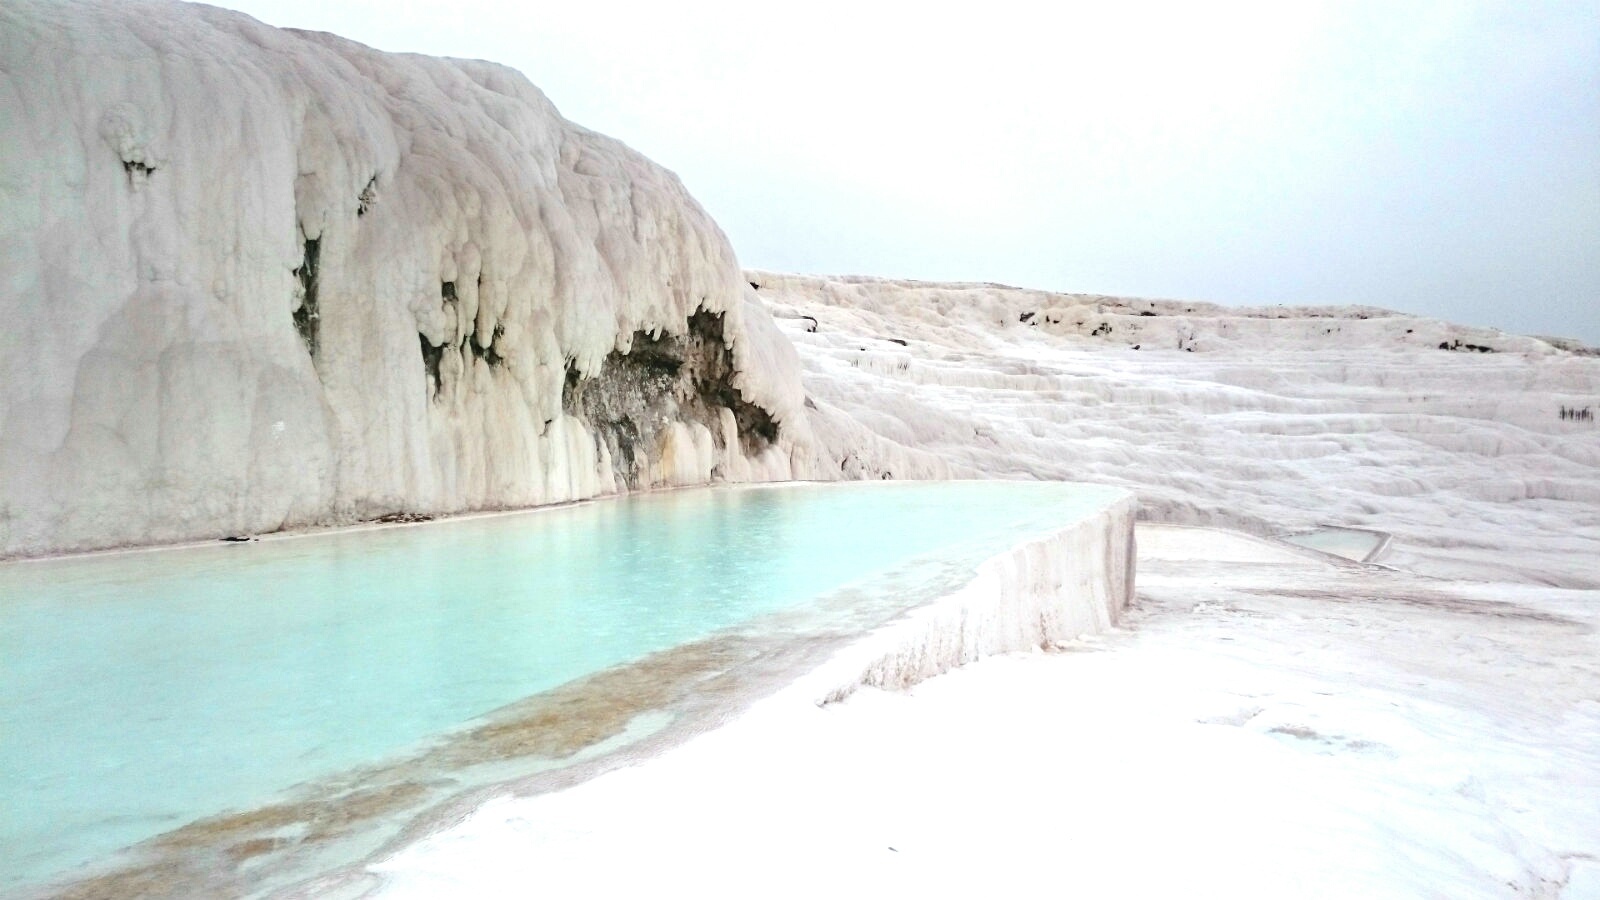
[258, 278]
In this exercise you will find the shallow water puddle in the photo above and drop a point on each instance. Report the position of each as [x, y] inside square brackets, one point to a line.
[1351, 543]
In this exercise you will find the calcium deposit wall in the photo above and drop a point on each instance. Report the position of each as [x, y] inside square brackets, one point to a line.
[257, 278]
[1038, 594]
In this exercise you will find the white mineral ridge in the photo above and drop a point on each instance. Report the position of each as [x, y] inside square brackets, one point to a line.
[1270, 420]
[227, 251]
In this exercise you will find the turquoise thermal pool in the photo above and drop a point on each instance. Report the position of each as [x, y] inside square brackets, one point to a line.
[144, 690]
[1351, 543]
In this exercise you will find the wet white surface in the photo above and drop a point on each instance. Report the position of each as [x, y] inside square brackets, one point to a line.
[1265, 724]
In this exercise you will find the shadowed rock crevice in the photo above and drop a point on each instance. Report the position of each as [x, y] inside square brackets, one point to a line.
[367, 197]
[306, 319]
[432, 355]
[471, 346]
[487, 352]
[138, 172]
[637, 395]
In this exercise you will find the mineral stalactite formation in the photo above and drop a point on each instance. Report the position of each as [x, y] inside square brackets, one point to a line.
[259, 278]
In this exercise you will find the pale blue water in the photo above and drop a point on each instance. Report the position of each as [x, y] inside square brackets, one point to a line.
[1349, 543]
[140, 691]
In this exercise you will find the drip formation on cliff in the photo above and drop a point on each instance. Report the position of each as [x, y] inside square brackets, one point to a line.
[260, 279]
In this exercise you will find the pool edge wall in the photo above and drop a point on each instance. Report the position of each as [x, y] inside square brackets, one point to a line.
[1041, 592]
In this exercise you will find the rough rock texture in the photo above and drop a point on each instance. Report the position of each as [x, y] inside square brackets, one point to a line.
[257, 278]
[641, 399]
[1471, 446]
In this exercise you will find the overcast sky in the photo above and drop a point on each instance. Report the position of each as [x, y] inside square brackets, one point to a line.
[1438, 158]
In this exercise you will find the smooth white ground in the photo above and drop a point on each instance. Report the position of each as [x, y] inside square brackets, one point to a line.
[1267, 723]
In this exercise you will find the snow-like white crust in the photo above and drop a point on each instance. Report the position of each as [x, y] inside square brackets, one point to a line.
[1040, 594]
[1478, 450]
[228, 250]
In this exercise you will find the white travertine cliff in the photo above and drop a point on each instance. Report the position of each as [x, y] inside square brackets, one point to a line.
[257, 278]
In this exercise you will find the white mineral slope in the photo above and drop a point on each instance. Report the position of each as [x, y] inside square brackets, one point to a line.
[1266, 722]
[256, 278]
[1481, 462]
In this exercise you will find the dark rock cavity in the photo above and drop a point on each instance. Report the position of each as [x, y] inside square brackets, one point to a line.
[688, 378]
[471, 345]
[306, 317]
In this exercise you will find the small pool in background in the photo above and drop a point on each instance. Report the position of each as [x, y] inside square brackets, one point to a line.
[145, 690]
[1356, 544]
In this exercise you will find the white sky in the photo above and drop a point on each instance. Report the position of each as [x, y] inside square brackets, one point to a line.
[1440, 158]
